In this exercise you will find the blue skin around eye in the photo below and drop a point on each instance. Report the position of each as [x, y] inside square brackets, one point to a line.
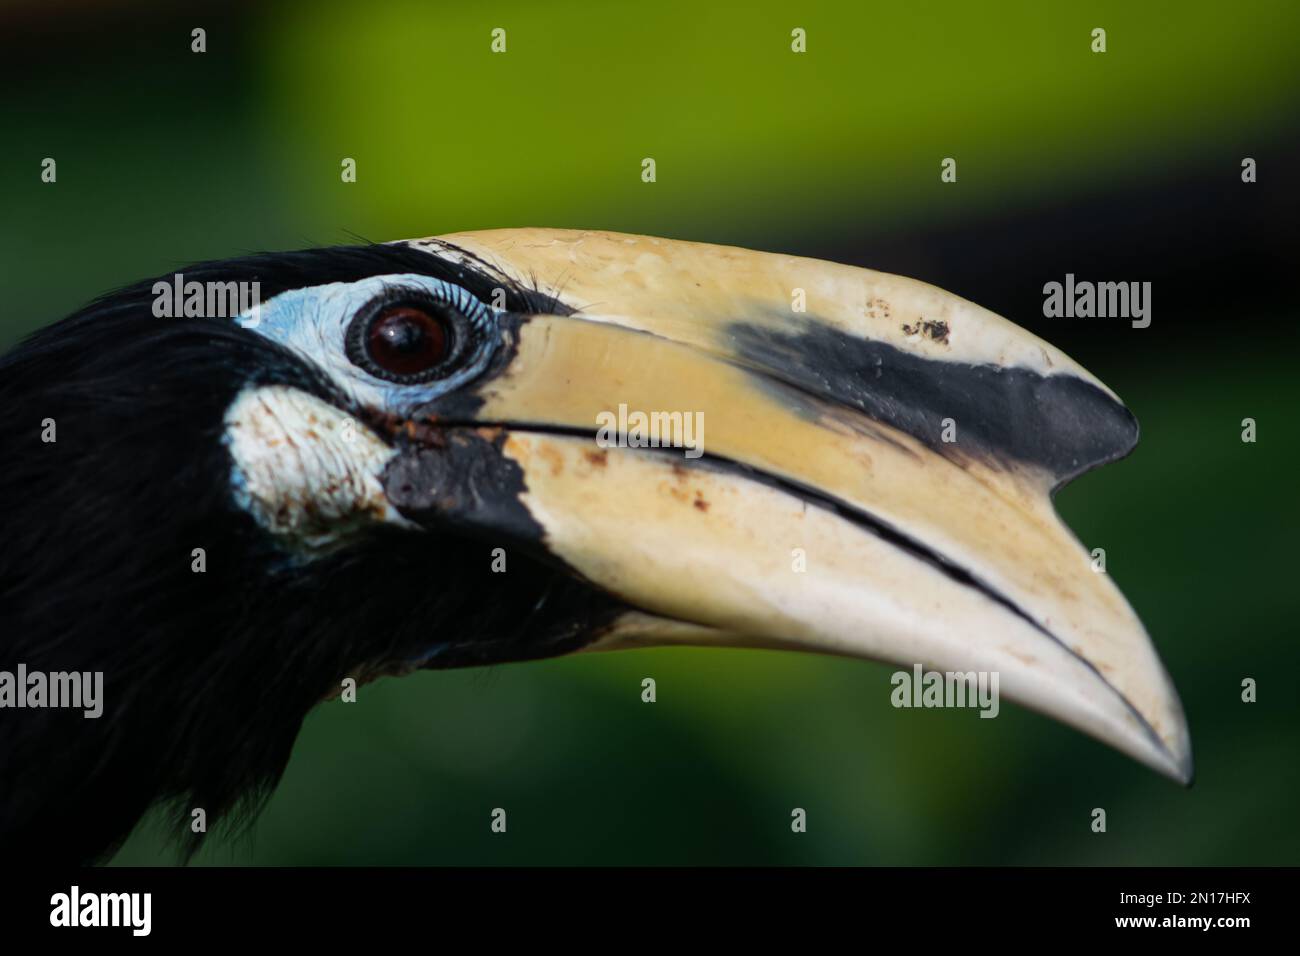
[314, 321]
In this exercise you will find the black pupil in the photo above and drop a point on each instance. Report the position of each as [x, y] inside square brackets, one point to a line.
[406, 341]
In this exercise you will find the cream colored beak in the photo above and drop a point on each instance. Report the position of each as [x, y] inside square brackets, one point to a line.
[873, 473]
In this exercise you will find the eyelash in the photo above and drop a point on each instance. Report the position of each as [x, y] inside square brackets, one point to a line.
[521, 295]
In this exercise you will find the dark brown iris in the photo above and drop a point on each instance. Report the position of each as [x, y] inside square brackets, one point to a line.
[404, 340]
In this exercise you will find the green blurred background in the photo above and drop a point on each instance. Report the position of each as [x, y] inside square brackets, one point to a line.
[1115, 166]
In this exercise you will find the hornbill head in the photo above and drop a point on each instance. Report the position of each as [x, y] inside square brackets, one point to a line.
[441, 453]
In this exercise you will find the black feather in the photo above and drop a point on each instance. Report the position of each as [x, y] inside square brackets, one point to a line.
[207, 677]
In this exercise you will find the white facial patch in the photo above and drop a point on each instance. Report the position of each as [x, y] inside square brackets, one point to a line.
[306, 471]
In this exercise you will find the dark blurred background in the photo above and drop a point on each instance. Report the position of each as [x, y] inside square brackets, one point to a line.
[1122, 166]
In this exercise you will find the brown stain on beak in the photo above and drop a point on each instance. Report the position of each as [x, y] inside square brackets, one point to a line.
[934, 331]
[553, 458]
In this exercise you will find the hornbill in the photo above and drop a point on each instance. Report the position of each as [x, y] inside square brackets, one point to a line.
[390, 463]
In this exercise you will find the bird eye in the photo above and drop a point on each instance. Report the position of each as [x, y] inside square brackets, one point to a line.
[406, 341]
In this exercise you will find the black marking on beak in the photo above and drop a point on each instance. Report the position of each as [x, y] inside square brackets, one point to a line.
[463, 484]
[1058, 423]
